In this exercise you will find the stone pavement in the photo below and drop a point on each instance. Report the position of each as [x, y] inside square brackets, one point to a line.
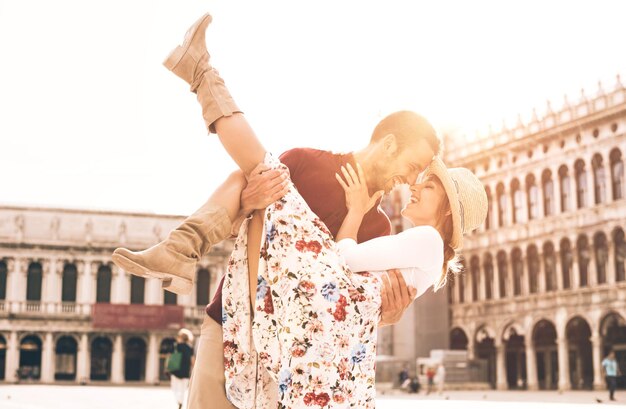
[138, 397]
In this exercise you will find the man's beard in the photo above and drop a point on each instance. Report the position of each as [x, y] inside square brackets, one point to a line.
[376, 179]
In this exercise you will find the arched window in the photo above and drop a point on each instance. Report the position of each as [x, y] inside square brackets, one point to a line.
[620, 254]
[489, 208]
[617, 174]
[501, 204]
[567, 261]
[548, 192]
[518, 270]
[599, 179]
[202, 287]
[70, 276]
[33, 282]
[518, 201]
[488, 274]
[549, 262]
[137, 289]
[566, 193]
[581, 183]
[601, 250]
[103, 284]
[502, 273]
[475, 272]
[533, 269]
[582, 246]
[3, 280]
[532, 197]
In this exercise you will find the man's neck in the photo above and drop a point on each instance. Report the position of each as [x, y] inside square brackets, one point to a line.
[366, 157]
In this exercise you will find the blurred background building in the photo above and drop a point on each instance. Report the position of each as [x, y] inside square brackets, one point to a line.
[68, 314]
[543, 296]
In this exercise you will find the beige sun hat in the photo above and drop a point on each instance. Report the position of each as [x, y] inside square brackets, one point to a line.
[188, 333]
[467, 196]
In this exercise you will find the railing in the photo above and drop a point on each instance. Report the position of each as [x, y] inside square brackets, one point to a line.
[70, 309]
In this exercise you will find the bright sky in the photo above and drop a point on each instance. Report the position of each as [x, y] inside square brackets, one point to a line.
[89, 118]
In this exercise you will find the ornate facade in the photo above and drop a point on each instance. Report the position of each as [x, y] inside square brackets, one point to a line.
[55, 266]
[543, 296]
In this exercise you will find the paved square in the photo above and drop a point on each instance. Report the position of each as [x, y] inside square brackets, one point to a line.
[137, 397]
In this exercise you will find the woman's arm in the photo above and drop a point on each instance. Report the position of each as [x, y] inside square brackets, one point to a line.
[358, 201]
[420, 247]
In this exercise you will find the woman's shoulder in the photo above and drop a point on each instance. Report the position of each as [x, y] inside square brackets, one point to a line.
[424, 232]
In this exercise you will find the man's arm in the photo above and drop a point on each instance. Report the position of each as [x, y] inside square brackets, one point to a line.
[396, 298]
[265, 186]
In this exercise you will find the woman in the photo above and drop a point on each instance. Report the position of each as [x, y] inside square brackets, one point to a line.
[180, 367]
[300, 326]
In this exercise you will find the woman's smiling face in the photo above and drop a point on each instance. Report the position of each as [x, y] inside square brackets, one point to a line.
[427, 199]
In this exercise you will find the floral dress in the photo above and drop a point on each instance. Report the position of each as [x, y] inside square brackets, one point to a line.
[311, 341]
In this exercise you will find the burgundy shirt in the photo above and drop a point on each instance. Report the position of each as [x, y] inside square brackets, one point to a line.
[313, 173]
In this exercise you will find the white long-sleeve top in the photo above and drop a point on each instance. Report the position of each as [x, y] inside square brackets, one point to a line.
[417, 252]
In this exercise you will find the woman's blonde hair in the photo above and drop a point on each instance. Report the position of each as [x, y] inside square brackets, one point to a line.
[451, 259]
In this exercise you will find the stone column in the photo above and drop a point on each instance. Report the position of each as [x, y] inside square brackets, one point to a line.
[596, 345]
[531, 367]
[541, 211]
[47, 359]
[541, 274]
[154, 293]
[12, 358]
[510, 283]
[51, 285]
[152, 361]
[117, 364]
[83, 361]
[501, 383]
[575, 273]
[564, 383]
[610, 268]
[495, 287]
[121, 286]
[592, 271]
[525, 275]
[556, 186]
[558, 270]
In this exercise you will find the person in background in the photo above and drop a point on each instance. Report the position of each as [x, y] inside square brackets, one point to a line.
[440, 377]
[403, 376]
[430, 375]
[611, 372]
[180, 372]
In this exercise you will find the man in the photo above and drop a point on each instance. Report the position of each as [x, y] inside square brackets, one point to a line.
[401, 146]
[611, 372]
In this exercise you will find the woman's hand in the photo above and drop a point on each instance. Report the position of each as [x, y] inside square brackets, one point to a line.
[358, 199]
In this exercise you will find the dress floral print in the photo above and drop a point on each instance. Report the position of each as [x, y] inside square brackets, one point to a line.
[311, 342]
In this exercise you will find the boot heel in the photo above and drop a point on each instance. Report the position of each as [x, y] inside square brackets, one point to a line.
[174, 58]
[177, 285]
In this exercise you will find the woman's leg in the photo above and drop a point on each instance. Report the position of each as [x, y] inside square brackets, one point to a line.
[174, 259]
[240, 141]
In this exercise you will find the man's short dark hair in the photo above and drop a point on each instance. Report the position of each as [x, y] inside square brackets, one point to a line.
[408, 127]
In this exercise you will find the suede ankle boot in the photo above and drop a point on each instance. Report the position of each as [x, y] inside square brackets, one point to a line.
[190, 61]
[174, 259]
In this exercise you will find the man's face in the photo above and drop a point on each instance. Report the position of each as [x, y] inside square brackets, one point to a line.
[405, 166]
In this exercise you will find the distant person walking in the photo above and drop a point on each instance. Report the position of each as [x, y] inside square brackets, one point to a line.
[611, 372]
[430, 375]
[180, 363]
[440, 378]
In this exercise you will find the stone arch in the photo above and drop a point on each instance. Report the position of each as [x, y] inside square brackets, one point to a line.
[31, 346]
[458, 339]
[101, 355]
[135, 355]
[514, 342]
[578, 335]
[544, 338]
[65, 358]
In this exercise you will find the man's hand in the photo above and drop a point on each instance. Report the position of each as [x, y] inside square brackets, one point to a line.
[265, 186]
[396, 297]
